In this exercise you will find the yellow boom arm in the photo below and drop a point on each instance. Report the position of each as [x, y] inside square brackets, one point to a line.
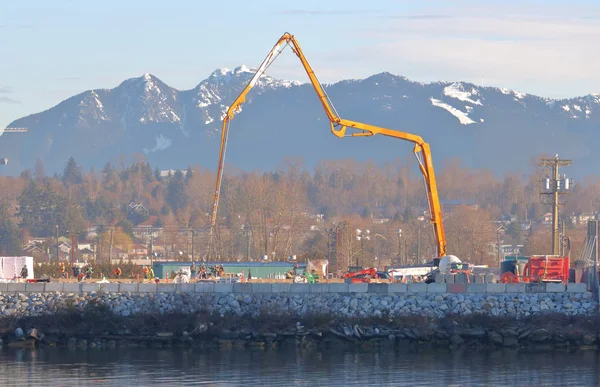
[339, 127]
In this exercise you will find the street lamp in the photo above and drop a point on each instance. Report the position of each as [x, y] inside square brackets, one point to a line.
[499, 231]
[400, 245]
[57, 255]
[421, 219]
[362, 236]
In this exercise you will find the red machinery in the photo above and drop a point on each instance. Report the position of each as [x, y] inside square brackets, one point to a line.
[364, 276]
[541, 268]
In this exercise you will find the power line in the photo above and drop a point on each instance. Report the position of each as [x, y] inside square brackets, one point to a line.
[551, 191]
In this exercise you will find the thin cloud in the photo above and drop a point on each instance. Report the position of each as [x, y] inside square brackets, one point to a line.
[68, 78]
[321, 12]
[418, 17]
[4, 99]
[547, 55]
[9, 100]
[18, 26]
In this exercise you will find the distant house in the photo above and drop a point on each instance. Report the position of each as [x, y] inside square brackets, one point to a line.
[450, 206]
[583, 218]
[138, 250]
[147, 229]
[546, 218]
[119, 254]
[171, 172]
[38, 240]
[38, 254]
[505, 249]
[87, 254]
[64, 247]
[138, 208]
[380, 220]
[85, 245]
[526, 226]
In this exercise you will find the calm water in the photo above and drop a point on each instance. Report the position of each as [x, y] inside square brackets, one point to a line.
[176, 367]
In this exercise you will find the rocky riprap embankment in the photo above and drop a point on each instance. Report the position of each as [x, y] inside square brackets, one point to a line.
[335, 304]
[547, 320]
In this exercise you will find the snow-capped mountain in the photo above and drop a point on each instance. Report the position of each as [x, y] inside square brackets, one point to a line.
[487, 127]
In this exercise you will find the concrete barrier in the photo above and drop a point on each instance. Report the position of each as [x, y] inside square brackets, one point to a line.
[147, 288]
[437, 288]
[358, 288]
[110, 288]
[90, 287]
[128, 288]
[449, 278]
[261, 288]
[15, 287]
[34, 287]
[490, 278]
[461, 278]
[223, 288]
[456, 288]
[476, 288]
[397, 288]
[204, 287]
[535, 288]
[495, 288]
[516, 288]
[377, 288]
[53, 287]
[299, 288]
[320, 288]
[339, 288]
[418, 288]
[166, 288]
[185, 288]
[242, 288]
[552, 287]
[577, 288]
[72, 287]
[281, 287]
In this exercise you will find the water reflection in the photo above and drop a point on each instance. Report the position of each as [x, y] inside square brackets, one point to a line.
[291, 366]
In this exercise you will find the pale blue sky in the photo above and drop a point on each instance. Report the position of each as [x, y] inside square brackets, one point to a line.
[53, 49]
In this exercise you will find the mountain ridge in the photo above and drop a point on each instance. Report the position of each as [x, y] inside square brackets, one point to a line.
[175, 128]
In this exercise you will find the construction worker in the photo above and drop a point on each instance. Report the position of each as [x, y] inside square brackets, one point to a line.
[193, 270]
[24, 272]
[145, 272]
[151, 273]
[117, 272]
[61, 268]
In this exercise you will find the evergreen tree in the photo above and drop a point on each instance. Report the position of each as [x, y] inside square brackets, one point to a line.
[10, 243]
[188, 174]
[72, 173]
[176, 196]
[39, 170]
[40, 209]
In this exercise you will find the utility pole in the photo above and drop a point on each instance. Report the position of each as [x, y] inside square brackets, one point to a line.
[551, 191]
[193, 232]
[57, 255]
[110, 248]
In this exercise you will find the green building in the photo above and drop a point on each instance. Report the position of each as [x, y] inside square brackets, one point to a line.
[275, 270]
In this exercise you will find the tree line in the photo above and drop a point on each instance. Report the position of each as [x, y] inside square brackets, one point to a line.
[271, 213]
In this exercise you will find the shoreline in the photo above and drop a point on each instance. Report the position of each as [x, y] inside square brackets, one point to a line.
[98, 327]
